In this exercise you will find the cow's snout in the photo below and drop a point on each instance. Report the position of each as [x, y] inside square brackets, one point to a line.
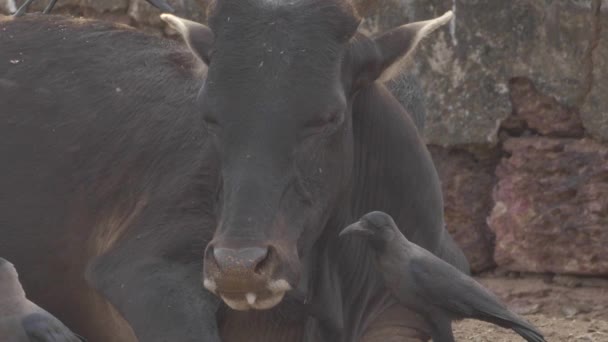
[246, 260]
[246, 276]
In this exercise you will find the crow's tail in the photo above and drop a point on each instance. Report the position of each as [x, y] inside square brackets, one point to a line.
[529, 333]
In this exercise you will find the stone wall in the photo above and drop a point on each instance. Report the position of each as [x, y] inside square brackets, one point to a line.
[517, 120]
[527, 81]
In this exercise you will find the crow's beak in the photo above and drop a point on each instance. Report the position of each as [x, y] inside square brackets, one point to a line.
[356, 229]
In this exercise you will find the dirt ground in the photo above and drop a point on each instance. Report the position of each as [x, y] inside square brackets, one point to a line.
[564, 308]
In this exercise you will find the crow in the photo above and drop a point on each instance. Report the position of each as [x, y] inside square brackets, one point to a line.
[432, 287]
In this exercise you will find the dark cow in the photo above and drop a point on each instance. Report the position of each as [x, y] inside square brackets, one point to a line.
[123, 178]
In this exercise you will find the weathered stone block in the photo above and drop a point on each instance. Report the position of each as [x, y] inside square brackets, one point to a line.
[465, 68]
[467, 181]
[594, 111]
[542, 113]
[551, 206]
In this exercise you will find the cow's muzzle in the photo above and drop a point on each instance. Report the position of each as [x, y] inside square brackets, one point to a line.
[248, 276]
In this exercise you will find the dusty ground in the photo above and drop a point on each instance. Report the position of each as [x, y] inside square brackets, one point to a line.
[563, 308]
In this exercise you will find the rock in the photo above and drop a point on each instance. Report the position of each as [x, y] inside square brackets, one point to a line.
[467, 181]
[594, 282]
[551, 206]
[594, 111]
[569, 311]
[584, 307]
[465, 68]
[567, 281]
[540, 112]
[500, 272]
[525, 308]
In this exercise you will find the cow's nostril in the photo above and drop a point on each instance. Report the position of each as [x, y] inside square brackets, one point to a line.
[263, 263]
[250, 258]
[209, 254]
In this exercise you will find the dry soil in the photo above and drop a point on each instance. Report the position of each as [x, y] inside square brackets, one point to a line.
[564, 308]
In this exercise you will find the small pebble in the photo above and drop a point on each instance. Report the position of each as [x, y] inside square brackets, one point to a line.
[547, 278]
[525, 308]
[584, 308]
[567, 281]
[569, 311]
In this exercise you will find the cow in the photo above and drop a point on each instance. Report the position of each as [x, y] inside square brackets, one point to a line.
[153, 191]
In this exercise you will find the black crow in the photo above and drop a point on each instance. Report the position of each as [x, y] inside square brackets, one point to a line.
[423, 282]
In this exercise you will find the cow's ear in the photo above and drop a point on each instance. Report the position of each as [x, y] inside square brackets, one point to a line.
[198, 36]
[392, 50]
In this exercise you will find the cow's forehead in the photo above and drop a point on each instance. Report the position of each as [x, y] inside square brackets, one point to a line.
[280, 3]
[338, 16]
[277, 3]
[276, 58]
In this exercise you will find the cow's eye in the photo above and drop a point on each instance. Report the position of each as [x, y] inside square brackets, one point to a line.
[324, 124]
[210, 121]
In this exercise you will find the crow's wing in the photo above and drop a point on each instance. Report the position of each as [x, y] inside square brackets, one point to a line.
[445, 287]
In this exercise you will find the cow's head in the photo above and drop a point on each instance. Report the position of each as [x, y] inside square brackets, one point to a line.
[277, 102]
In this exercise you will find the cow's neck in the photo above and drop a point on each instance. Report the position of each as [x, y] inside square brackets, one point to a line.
[282, 323]
[380, 130]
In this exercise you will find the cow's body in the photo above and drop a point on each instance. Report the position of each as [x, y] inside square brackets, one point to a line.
[109, 189]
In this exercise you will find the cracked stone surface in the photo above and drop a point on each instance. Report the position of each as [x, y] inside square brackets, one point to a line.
[465, 68]
[467, 180]
[594, 111]
[542, 113]
[551, 206]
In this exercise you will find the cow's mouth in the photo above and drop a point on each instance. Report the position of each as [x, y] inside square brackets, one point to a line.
[263, 298]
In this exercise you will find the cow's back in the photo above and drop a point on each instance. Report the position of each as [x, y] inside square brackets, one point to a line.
[95, 119]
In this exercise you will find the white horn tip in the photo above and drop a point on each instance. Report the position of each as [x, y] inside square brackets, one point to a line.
[175, 22]
[447, 16]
